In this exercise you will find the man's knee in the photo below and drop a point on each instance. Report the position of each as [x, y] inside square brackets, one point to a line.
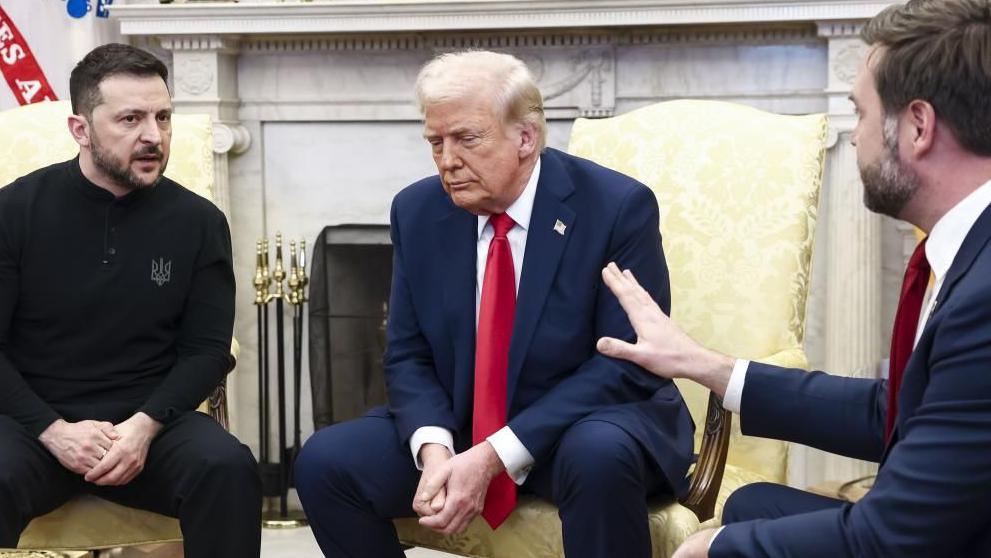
[748, 502]
[597, 457]
[324, 462]
[9, 484]
[17, 500]
[233, 467]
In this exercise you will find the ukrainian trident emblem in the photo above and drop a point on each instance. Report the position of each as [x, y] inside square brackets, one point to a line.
[161, 271]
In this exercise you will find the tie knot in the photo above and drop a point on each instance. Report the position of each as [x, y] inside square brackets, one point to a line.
[501, 224]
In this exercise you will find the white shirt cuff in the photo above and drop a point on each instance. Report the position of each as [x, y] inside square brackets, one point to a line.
[713, 539]
[513, 454]
[429, 435]
[733, 398]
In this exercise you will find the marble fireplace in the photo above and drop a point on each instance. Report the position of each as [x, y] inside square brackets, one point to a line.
[315, 124]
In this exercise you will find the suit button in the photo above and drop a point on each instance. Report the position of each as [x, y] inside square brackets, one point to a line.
[112, 251]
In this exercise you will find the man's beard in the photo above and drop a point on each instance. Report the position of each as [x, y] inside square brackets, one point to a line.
[888, 184]
[119, 171]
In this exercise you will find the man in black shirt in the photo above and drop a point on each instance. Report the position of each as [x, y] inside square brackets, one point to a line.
[116, 314]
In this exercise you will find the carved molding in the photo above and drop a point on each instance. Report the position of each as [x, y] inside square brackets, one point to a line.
[194, 74]
[517, 40]
[835, 29]
[594, 66]
[230, 137]
[229, 18]
[846, 62]
[840, 128]
[225, 45]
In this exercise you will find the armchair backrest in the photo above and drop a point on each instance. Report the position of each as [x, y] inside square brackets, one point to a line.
[738, 191]
[38, 135]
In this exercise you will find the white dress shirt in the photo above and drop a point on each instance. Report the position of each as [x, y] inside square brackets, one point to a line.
[944, 242]
[513, 454]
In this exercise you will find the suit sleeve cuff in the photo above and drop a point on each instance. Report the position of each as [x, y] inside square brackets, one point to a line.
[733, 398]
[429, 435]
[513, 454]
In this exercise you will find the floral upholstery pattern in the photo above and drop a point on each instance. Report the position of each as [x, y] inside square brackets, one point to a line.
[38, 135]
[738, 191]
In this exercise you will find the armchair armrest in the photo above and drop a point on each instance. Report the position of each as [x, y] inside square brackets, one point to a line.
[707, 477]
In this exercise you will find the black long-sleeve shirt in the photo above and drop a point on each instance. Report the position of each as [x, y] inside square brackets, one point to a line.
[110, 306]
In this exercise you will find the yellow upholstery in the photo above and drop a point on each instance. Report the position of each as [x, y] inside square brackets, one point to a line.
[738, 191]
[39, 136]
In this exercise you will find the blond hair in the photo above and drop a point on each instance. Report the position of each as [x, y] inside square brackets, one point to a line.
[457, 75]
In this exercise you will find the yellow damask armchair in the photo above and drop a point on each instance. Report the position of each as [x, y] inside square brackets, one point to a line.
[738, 191]
[38, 135]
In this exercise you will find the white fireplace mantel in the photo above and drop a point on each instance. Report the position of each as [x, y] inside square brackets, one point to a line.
[148, 17]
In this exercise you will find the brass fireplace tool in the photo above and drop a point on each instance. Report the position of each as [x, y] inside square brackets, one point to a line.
[288, 288]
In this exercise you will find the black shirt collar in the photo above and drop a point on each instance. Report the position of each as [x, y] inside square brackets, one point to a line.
[97, 193]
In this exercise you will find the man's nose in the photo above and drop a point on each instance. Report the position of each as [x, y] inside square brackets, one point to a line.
[150, 132]
[449, 158]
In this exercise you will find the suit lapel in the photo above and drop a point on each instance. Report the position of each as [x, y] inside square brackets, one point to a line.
[456, 233]
[972, 245]
[544, 247]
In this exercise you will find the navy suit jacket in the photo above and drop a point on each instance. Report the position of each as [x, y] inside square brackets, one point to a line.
[555, 376]
[932, 495]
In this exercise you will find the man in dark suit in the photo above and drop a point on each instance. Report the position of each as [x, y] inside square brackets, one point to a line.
[493, 379]
[924, 152]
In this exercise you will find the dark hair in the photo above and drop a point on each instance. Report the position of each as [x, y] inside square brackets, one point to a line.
[938, 51]
[106, 61]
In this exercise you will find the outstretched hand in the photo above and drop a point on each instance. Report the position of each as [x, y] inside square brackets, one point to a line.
[662, 347]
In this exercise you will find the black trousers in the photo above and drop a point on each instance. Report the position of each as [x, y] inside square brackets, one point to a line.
[195, 471]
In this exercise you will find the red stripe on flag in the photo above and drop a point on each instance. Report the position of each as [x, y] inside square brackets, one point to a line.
[20, 69]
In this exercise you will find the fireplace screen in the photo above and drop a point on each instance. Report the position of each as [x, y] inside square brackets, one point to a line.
[349, 294]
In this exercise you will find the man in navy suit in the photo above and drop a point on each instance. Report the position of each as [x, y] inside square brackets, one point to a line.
[480, 394]
[923, 143]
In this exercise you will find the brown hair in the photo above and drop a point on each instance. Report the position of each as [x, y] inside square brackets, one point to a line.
[103, 62]
[938, 51]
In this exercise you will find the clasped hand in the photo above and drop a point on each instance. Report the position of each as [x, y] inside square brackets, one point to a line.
[104, 453]
[452, 488]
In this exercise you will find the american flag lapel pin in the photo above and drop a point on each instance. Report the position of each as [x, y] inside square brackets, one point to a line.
[559, 227]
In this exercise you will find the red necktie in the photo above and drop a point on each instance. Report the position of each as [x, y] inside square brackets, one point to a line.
[906, 322]
[495, 329]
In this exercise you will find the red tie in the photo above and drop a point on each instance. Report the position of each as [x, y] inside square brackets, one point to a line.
[906, 322]
[495, 329]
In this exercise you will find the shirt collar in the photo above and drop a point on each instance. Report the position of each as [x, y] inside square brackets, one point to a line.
[92, 191]
[950, 231]
[522, 208]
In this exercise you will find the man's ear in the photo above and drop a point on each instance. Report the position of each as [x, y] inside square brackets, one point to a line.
[528, 139]
[919, 124]
[79, 128]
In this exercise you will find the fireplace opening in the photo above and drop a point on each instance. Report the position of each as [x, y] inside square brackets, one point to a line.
[349, 293]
